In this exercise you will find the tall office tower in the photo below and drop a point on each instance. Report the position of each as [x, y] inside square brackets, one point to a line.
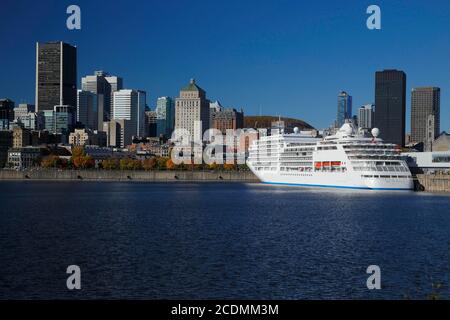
[99, 85]
[6, 113]
[151, 124]
[425, 102]
[165, 115]
[142, 102]
[192, 111]
[130, 105]
[390, 95]
[116, 84]
[87, 109]
[365, 116]
[56, 75]
[344, 108]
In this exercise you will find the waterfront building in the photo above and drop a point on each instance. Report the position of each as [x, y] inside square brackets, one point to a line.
[165, 115]
[227, 119]
[390, 102]
[425, 115]
[442, 142]
[21, 137]
[82, 137]
[130, 105]
[119, 133]
[434, 161]
[192, 111]
[365, 116]
[344, 108]
[26, 157]
[56, 75]
[87, 109]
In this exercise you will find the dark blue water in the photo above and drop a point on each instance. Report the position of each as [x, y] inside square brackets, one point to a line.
[243, 241]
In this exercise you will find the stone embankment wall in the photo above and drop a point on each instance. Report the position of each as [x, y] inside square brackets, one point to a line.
[433, 182]
[128, 175]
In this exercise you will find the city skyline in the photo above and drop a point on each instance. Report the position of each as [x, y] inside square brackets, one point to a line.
[253, 69]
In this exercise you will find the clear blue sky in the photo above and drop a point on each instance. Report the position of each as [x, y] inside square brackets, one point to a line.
[285, 57]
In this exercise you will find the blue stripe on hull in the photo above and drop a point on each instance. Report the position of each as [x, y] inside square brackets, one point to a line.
[331, 186]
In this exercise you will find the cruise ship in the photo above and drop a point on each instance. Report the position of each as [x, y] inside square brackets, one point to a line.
[349, 159]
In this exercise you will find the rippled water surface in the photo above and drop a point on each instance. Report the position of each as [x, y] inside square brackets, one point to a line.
[244, 241]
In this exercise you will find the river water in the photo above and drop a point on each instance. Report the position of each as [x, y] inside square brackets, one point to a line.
[220, 240]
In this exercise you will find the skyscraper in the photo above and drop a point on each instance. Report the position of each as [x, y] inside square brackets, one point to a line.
[99, 85]
[87, 111]
[165, 115]
[192, 111]
[56, 75]
[365, 116]
[130, 105]
[425, 102]
[344, 108]
[390, 94]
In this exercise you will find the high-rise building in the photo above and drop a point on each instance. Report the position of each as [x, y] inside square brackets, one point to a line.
[226, 119]
[165, 115]
[87, 109]
[344, 108]
[56, 75]
[151, 124]
[192, 111]
[103, 85]
[130, 105]
[365, 116]
[390, 95]
[425, 102]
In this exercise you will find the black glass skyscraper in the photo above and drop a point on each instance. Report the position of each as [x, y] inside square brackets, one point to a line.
[56, 75]
[390, 105]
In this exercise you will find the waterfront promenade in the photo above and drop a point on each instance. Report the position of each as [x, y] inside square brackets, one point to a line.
[423, 182]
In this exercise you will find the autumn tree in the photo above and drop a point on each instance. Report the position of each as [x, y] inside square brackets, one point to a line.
[149, 164]
[170, 165]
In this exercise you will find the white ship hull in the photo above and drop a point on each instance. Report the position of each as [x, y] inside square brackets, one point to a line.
[346, 180]
[349, 159]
